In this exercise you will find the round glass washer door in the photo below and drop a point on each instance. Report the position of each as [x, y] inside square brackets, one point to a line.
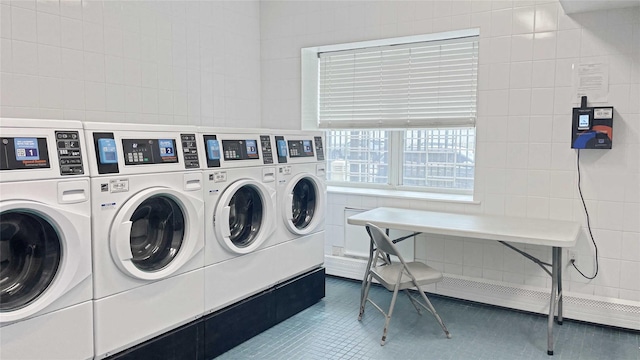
[244, 216]
[151, 236]
[303, 204]
[30, 254]
[40, 256]
[157, 233]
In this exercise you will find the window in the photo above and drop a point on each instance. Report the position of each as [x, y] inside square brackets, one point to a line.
[360, 156]
[399, 113]
[430, 159]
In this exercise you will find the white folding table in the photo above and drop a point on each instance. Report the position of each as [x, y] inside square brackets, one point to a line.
[552, 233]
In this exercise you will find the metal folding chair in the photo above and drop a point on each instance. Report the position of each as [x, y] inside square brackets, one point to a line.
[395, 277]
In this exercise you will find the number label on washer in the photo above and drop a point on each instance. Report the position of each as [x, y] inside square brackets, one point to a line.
[119, 185]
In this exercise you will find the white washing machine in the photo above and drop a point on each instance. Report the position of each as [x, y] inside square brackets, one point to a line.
[301, 202]
[148, 242]
[45, 241]
[240, 214]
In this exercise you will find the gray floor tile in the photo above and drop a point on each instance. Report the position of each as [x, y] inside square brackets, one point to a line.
[330, 330]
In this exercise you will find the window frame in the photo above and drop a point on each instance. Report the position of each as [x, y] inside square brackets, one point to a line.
[310, 74]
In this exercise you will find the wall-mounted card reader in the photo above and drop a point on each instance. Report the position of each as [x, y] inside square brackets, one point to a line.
[592, 127]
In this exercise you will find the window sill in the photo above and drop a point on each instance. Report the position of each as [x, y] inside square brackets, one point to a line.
[402, 194]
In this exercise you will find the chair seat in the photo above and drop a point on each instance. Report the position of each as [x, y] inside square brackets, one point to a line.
[387, 275]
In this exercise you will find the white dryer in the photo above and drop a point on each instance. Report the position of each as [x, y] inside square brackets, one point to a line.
[301, 202]
[45, 241]
[240, 214]
[148, 242]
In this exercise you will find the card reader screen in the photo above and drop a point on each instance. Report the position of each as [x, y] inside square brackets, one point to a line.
[107, 151]
[282, 148]
[212, 145]
[583, 122]
[213, 149]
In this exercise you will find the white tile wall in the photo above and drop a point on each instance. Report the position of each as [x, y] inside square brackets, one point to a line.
[132, 61]
[229, 63]
[525, 166]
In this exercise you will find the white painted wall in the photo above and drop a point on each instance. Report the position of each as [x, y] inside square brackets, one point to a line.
[525, 166]
[168, 62]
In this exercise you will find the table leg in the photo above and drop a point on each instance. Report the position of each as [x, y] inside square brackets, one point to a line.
[560, 296]
[555, 267]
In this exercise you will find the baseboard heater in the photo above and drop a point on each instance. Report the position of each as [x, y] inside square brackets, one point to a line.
[605, 311]
[223, 330]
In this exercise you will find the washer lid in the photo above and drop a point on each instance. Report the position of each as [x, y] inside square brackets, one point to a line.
[244, 215]
[154, 234]
[303, 203]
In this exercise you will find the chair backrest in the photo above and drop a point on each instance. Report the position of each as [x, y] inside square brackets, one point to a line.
[383, 242]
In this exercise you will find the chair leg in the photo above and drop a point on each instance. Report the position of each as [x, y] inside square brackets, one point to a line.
[434, 312]
[388, 316]
[413, 301]
[365, 296]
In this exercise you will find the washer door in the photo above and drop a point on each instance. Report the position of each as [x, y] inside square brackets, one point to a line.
[303, 205]
[244, 216]
[154, 234]
[39, 254]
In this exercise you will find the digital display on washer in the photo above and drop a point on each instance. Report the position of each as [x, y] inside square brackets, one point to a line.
[240, 149]
[213, 149]
[252, 148]
[212, 146]
[281, 149]
[167, 147]
[26, 149]
[23, 153]
[107, 151]
[300, 148]
[149, 151]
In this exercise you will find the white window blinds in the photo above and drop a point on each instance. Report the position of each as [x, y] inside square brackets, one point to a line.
[422, 84]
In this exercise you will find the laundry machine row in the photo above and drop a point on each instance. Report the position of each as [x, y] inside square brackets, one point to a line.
[264, 210]
[184, 221]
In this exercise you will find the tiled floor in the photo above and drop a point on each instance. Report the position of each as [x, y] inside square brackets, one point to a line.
[330, 330]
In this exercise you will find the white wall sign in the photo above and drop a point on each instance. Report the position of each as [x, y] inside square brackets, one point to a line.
[591, 80]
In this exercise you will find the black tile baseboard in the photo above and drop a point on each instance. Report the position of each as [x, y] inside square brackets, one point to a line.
[223, 330]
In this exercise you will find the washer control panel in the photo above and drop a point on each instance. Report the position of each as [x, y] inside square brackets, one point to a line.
[267, 152]
[240, 149]
[300, 148]
[149, 151]
[69, 154]
[190, 151]
[319, 148]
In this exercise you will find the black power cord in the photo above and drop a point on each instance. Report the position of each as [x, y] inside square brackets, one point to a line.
[573, 261]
